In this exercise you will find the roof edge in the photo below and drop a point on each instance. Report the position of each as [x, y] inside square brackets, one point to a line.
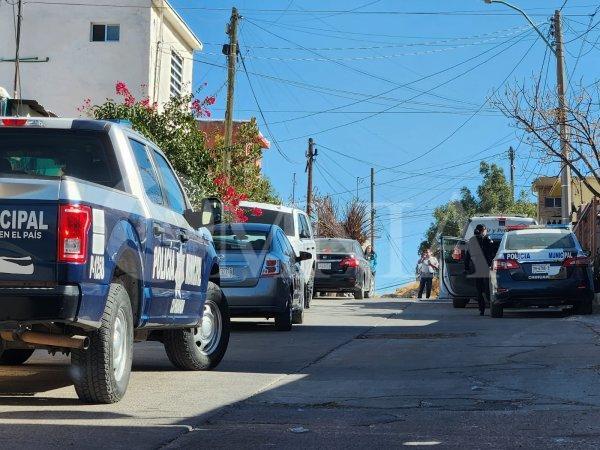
[180, 25]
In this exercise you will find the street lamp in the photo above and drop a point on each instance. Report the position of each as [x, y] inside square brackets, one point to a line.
[560, 79]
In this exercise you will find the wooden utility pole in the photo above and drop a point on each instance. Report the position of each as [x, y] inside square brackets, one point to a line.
[511, 156]
[310, 157]
[372, 208]
[562, 117]
[16, 90]
[231, 51]
[294, 190]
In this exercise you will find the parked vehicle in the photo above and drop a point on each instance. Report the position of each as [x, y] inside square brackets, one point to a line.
[455, 283]
[342, 267]
[99, 247]
[296, 225]
[541, 267]
[260, 273]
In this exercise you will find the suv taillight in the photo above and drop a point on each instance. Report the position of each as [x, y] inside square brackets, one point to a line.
[578, 261]
[349, 261]
[271, 267]
[74, 223]
[506, 264]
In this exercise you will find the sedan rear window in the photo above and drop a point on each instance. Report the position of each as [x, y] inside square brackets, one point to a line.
[240, 240]
[85, 155]
[328, 246]
[540, 241]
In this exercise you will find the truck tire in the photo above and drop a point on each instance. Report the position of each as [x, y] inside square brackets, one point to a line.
[359, 293]
[497, 311]
[203, 347]
[15, 357]
[460, 302]
[585, 307]
[371, 291]
[308, 295]
[284, 320]
[298, 316]
[101, 373]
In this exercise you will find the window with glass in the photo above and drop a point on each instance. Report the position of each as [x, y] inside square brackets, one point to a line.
[173, 189]
[540, 241]
[240, 239]
[147, 172]
[105, 33]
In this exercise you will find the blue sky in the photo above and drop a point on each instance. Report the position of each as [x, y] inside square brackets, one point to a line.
[306, 57]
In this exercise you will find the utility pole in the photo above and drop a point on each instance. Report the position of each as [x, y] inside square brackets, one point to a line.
[16, 90]
[372, 208]
[562, 117]
[511, 155]
[294, 190]
[310, 157]
[231, 50]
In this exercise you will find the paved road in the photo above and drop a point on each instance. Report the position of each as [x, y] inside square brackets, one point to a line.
[373, 373]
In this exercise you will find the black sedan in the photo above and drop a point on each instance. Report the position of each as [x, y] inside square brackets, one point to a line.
[260, 273]
[342, 267]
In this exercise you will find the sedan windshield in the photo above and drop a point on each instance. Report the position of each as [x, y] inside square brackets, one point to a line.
[240, 240]
[327, 246]
[540, 241]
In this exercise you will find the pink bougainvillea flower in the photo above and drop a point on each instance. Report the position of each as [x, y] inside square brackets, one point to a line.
[256, 212]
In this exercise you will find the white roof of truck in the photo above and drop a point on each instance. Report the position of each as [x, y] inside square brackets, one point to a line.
[269, 207]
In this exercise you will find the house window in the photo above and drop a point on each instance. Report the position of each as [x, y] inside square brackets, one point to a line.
[176, 74]
[553, 202]
[105, 33]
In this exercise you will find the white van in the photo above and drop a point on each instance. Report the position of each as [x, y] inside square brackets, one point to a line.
[296, 224]
[455, 284]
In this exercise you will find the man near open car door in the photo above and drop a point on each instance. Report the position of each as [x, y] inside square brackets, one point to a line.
[479, 257]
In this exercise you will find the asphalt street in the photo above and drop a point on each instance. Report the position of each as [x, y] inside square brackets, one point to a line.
[371, 373]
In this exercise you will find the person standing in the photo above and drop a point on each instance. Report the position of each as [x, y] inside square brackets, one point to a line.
[426, 269]
[479, 257]
[371, 256]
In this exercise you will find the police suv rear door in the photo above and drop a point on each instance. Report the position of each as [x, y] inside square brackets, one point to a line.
[452, 269]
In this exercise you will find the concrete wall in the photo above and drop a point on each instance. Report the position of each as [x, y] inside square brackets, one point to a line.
[581, 195]
[80, 69]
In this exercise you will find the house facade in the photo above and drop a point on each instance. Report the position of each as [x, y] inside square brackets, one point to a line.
[549, 195]
[91, 46]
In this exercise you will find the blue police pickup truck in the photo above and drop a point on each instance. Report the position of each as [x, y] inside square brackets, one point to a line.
[99, 247]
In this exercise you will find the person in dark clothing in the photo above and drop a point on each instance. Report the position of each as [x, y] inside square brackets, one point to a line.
[479, 257]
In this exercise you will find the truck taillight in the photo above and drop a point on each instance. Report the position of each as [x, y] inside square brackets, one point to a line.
[13, 122]
[271, 267]
[74, 223]
[578, 261]
[506, 264]
[350, 261]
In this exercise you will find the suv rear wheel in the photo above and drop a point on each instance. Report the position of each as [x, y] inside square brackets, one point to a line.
[102, 371]
[460, 302]
[497, 311]
[203, 347]
[585, 307]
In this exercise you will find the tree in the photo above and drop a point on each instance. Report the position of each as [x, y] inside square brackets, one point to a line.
[351, 222]
[536, 113]
[174, 128]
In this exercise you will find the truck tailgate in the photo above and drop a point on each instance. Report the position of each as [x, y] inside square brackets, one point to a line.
[28, 220]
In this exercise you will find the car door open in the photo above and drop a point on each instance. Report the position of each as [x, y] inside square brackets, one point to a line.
[459, 285]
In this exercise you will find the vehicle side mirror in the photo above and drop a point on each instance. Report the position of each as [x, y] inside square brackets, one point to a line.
[304, 256]
[211, 213]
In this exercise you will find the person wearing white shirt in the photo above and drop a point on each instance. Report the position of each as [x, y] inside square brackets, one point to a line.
[426, 269]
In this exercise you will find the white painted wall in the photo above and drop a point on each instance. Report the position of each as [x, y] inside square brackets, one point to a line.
[78, 68]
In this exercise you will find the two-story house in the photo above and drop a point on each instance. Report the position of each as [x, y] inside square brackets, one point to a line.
[91, 45]
[549, 195]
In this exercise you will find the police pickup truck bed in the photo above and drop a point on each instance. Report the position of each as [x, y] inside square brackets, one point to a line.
[99, 247]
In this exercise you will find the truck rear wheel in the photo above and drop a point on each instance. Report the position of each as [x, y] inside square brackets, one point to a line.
[497, 311]
[359, 293]
[459, 302]
[204, 347]
[15, 357]
[101, 373]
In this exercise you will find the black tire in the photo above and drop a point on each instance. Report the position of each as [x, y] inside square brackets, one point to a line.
[298, 316]
[284, 320]
[204, 347]
[359, 293]
[460, 302]
[15, 356]
[497, 311]
[584, 308]
[100, 375]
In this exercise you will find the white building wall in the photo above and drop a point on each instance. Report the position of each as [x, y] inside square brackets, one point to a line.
[80, 69]
[165, 39]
